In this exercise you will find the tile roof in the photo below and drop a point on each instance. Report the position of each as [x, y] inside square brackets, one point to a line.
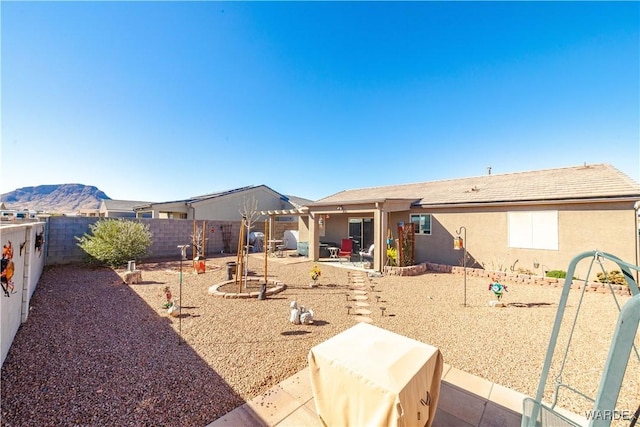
[571, 183]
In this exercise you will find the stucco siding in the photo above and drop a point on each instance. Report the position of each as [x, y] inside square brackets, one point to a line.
[606, 227]
[228, 208]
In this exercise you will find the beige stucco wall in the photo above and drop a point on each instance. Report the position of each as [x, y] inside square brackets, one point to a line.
[228, 207]
[605, 227]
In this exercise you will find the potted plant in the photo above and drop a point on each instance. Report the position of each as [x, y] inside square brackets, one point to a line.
[315, 274]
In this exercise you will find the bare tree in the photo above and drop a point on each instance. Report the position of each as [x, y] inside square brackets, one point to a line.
[197, 239]
[249, 212]
[250, 215]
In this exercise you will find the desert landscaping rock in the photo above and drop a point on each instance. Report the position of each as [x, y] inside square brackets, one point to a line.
[94, 352]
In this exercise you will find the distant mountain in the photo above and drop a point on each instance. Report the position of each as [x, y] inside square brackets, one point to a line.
[60, 198]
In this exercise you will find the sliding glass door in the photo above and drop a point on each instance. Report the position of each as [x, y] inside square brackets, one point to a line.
[361, 232]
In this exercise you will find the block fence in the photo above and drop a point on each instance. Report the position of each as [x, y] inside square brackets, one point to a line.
[23, 260]
[62, 246]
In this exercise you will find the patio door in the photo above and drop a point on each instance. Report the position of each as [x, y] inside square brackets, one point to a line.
[361, 232]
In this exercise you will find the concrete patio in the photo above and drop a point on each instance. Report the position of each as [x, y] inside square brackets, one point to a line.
[465, 401]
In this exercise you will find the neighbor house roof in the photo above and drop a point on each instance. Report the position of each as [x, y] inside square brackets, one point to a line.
[121, 205]
[596, 181]
[210, 196]
[299, 202]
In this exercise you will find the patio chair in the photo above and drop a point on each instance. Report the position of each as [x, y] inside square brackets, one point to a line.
[368, 256]
[281, 247]
[346, 249]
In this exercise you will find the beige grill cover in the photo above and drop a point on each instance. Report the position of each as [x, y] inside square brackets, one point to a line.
[368, 376]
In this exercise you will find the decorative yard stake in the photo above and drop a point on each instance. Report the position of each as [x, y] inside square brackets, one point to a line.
[458, 243]
[183, 256]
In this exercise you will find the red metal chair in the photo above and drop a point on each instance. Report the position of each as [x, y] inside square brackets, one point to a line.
[346, 249]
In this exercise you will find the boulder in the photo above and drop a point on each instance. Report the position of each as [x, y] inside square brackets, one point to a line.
[132, 277]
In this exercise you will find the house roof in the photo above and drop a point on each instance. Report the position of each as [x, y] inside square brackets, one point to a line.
[121, 205]
[597, 181]
[299, 202]
[210, 196]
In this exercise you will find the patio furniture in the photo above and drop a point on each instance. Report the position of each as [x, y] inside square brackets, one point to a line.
[367, 375]
[281, 248]
[273, 246]
[346, 248]
[333, 252]
[536, 412]
[367, 255]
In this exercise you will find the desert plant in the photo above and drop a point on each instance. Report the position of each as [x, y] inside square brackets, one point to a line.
[614, 277]
[559, 274]
[114, 242]
[392, 255]
[495, 264]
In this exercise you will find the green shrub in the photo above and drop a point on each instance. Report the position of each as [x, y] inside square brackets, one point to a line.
[560, 274]
[114, 242]
[614, 277]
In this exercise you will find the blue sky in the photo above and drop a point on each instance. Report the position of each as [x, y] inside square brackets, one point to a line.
[161, 101]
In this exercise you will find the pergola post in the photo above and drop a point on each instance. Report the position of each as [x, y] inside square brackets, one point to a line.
[379, 248]
[314, 238]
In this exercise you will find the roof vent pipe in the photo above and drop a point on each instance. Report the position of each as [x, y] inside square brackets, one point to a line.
[488, 170]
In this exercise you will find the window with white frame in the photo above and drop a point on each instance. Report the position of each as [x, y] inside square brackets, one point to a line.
[422, 223]
[533, 230]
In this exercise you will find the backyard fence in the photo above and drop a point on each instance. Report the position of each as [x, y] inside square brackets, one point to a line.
[62, 246]
[23, 260]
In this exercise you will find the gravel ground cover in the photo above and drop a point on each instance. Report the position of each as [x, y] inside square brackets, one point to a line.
[97, 352]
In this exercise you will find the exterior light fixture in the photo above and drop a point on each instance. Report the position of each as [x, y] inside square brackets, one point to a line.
[458, 243]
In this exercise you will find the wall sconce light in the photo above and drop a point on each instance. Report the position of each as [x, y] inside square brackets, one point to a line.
[536, 264]
[321, 221]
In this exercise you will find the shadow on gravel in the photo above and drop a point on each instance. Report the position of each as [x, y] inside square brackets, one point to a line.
[529, 304]
[93, 353]
[288, 333]
[150, 282]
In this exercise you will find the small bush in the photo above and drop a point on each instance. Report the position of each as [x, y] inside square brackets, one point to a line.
[614, 277]
[392, 254]
[559, 274]
[114, 242]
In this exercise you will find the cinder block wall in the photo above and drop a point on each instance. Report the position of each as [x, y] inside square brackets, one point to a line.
[20, 249]
[62, 246]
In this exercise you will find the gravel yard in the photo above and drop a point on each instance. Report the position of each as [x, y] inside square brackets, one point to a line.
[97, 352]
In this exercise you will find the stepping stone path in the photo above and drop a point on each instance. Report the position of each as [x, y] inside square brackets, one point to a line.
[359, 283]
